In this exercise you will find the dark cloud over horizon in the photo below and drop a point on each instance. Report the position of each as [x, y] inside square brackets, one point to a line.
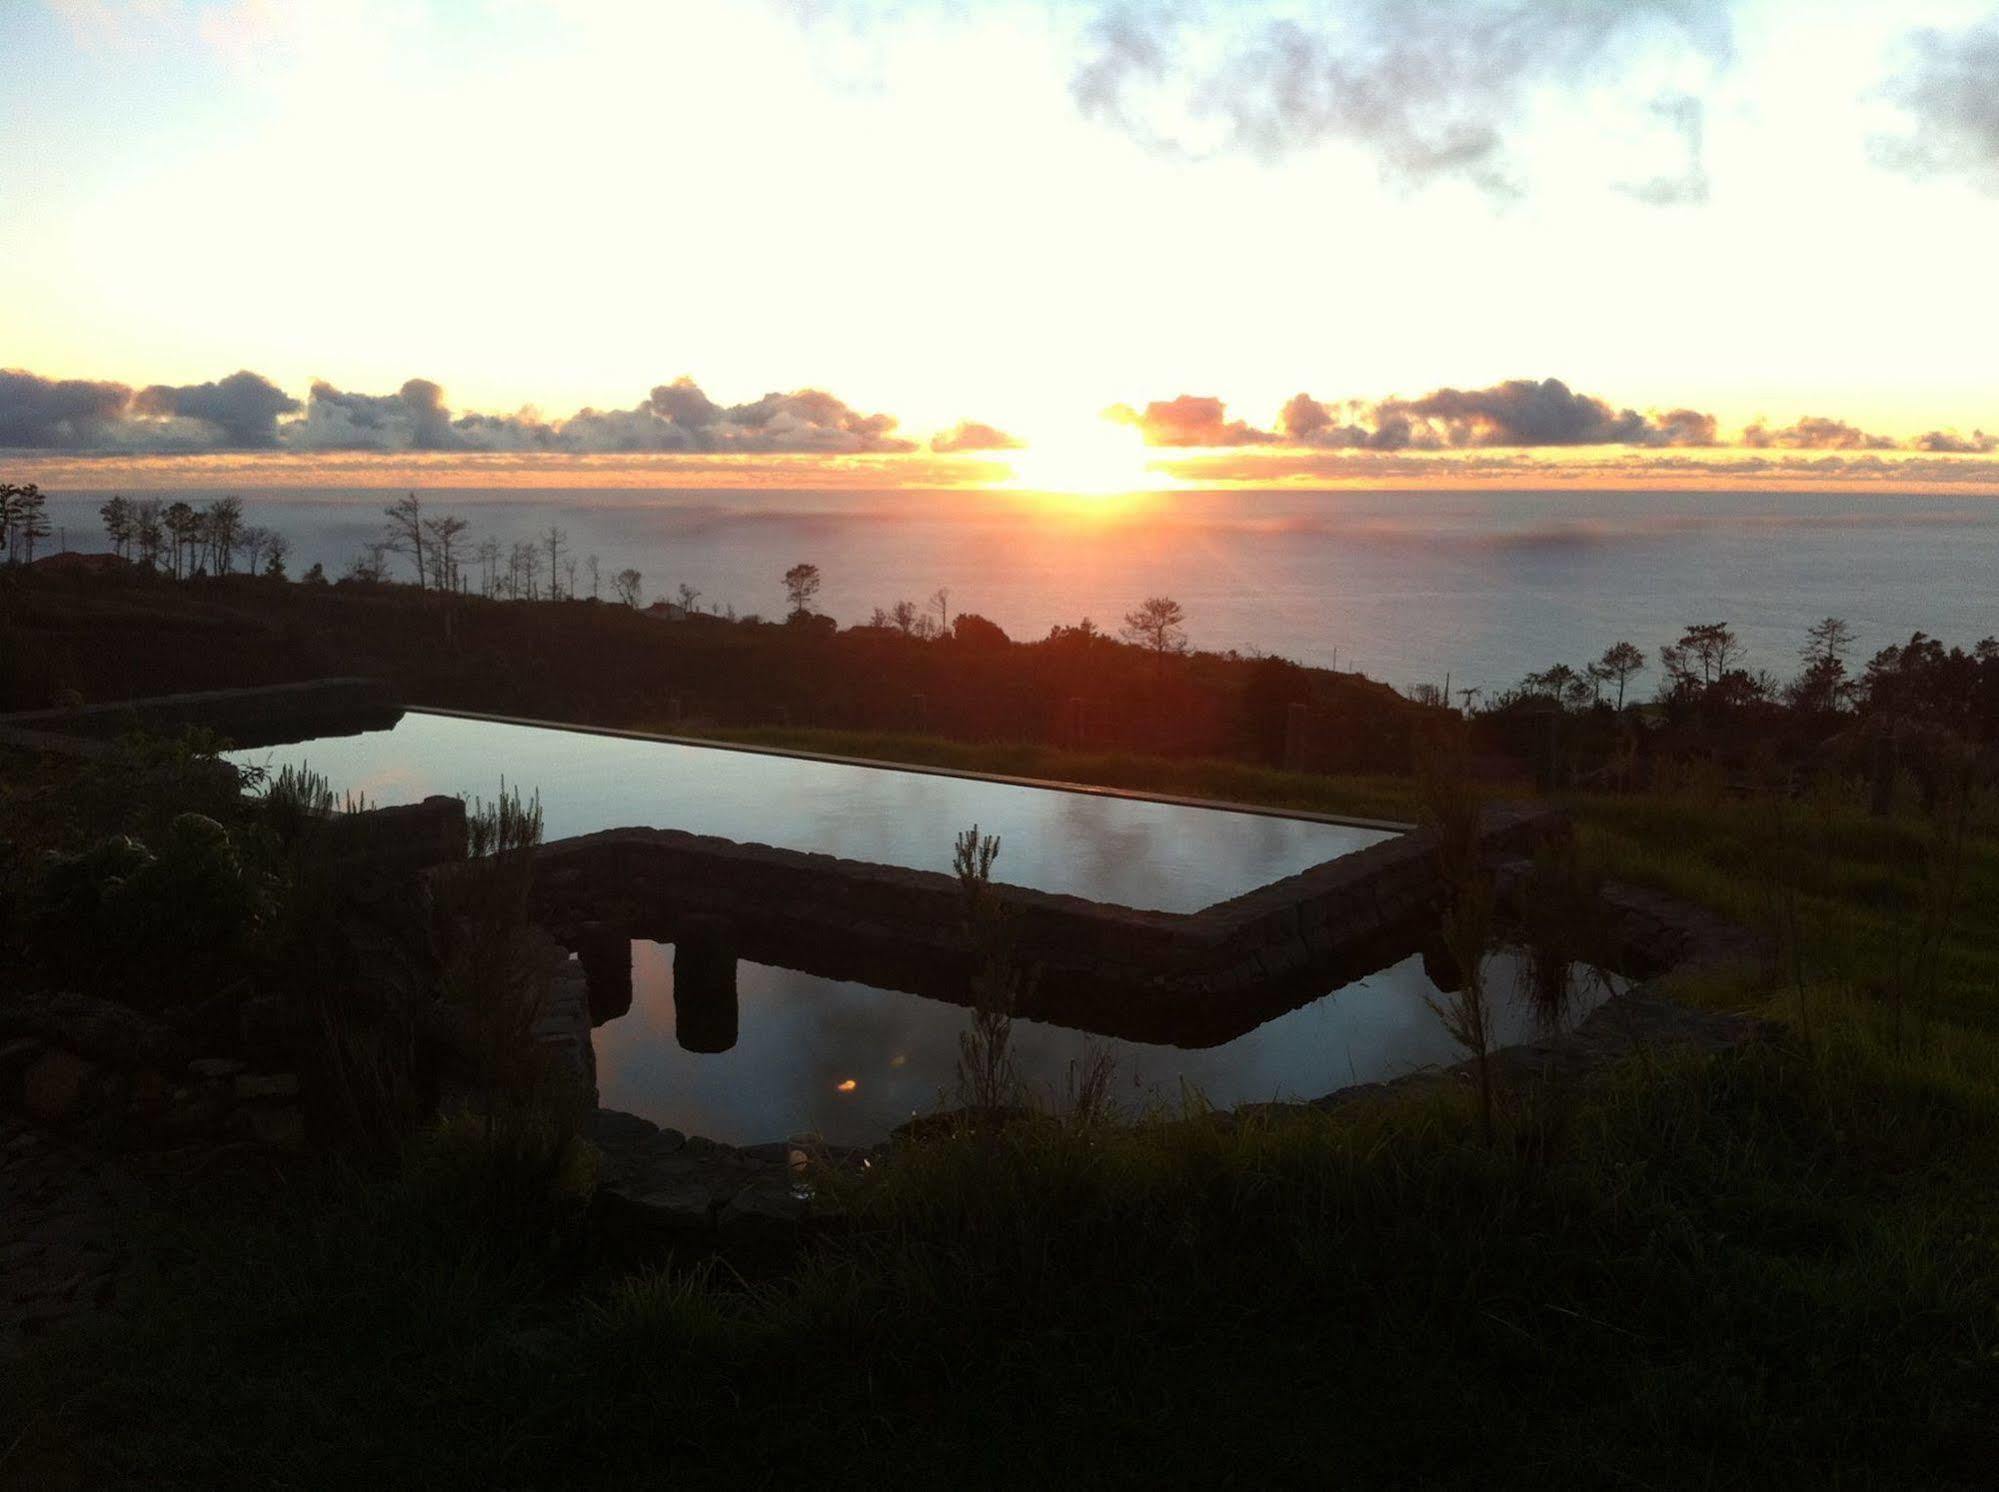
[1520, 412]
[242, 412]
[1190, 420]
[974, 435]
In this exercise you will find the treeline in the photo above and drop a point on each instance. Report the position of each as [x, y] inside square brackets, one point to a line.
[1701, 676]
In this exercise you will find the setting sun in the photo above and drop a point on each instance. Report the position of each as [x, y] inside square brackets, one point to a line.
[1094, 459]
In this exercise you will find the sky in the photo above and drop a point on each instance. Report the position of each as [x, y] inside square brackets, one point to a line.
[1084, 244]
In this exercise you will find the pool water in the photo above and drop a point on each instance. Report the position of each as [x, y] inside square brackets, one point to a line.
[803, 1040]
[1165, 857]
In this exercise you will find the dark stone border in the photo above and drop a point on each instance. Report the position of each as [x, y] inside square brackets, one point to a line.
[266, 715]
[1192, 979]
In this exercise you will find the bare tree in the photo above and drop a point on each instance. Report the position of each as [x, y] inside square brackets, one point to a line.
[688, 596]
[489, 566]
[555, 539]
[371, 565]
[444, 534]
[1157, 625]
[941, 599]
[404, 534]
[524, 570]
[905, 616]
[627, 583]
[590, 568]
[801, 584]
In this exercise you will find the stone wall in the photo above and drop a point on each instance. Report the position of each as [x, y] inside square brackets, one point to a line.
[271, 715]
[1193, 979]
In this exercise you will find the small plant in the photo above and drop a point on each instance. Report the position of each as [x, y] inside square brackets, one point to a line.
[1450, 811]
[987, 1080]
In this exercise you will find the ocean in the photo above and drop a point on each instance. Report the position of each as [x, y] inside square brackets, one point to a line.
[1407, 586]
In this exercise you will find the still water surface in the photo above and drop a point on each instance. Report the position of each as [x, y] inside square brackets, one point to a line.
[1161, 856]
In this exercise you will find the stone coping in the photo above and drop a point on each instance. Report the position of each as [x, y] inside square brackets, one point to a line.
[263, 715]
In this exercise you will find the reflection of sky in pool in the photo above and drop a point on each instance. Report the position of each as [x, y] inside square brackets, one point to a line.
[801, 1036]
[1163, 856]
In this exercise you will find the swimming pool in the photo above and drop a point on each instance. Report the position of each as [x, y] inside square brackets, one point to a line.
[851, 1061]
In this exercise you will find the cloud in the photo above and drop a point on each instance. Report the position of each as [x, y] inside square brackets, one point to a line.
[1190, 420]
[1686, 116]
[1429, 88]
[1815, 433]
[246, 411]
[412, 419]
[678, 416]
[974, 435]
[1949, 88]
[45, 413]
[243, 408]
[1522, 412]
[1519, 413]
[1978, 443]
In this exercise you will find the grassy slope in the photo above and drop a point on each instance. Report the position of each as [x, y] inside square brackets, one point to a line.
[1777, 1267]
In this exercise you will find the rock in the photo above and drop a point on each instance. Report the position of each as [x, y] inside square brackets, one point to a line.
[215, 1067]
[53, 1088]
[766, 1207]
[612, 1128]
[282, 1129]
[271, 1029]
[19, 1054]
[255, 1085]
[98, 1029]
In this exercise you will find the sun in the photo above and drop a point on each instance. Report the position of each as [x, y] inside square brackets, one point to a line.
[1094, 459]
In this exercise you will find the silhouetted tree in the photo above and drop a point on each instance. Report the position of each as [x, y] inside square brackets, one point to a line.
[404, 534]
[1709, 647]
[941, 599]
[371, 565]
[1621, 662]
[315, 576]
[222, 533]
[1157, 625]
[444, 534]
[591, 568]
[688, 596]
[22, 519]
[801, 584]
[119, 524]
[627, 583]
[904, 616]
[276, 546]
[1823, 686]
[182, 524]
[148, 531]
[969, 629]
[556, 540]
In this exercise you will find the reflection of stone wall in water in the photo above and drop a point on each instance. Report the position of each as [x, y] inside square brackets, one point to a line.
[1192, 980]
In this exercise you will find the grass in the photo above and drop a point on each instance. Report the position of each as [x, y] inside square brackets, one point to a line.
[1773, 1267]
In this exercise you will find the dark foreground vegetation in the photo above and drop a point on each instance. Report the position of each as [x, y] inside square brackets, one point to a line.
[1777, 1265]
